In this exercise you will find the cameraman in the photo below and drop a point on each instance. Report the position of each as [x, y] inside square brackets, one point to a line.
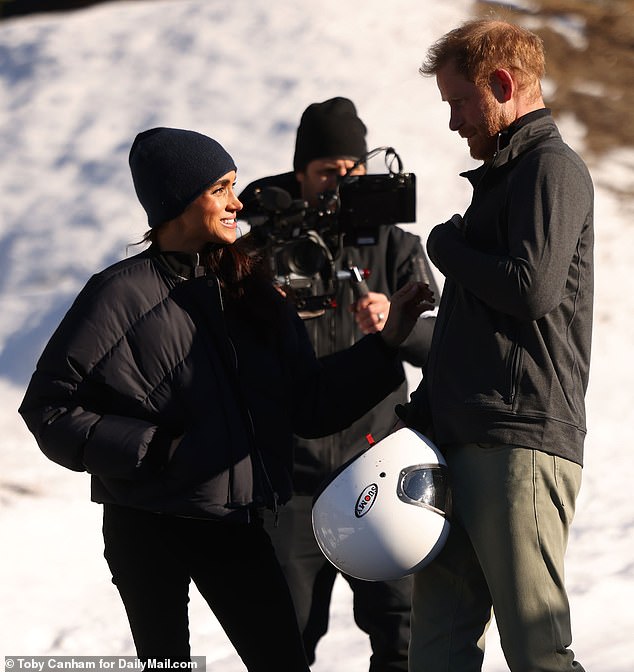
[330, 138]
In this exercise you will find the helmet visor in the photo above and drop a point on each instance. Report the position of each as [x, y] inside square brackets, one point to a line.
[426, 485]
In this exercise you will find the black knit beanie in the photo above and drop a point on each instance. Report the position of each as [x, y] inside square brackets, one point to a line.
[329, 129]
[172, 167]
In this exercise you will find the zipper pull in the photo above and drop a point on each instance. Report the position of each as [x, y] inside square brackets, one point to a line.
[199, 270]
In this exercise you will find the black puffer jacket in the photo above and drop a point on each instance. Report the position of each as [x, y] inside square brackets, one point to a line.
[396, 258]
[148, 353]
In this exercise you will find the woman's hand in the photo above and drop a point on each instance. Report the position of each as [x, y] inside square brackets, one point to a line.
[406, 306]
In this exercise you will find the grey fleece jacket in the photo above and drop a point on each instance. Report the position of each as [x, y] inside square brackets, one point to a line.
[510, 355]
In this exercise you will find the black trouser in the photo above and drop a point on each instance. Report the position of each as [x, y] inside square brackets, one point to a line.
[381, 608]
[152, 558]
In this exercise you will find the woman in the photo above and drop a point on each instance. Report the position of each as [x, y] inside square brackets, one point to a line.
[176, 380]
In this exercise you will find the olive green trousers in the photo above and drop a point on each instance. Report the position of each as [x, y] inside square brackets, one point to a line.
[512, 508]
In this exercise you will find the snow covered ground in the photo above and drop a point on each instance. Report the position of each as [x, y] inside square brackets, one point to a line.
[74, 91]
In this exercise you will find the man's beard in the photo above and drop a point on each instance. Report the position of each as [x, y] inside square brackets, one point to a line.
[495, 118]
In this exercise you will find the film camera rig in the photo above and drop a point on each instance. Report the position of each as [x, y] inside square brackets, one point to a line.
[302, 244]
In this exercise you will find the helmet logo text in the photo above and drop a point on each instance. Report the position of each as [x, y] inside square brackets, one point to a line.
[365, 500]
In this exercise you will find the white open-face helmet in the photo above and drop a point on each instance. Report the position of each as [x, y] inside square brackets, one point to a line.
[384, 514]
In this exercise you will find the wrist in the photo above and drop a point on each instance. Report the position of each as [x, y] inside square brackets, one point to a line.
[388, 340]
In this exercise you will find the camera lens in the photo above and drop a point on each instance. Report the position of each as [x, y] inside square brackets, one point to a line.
[303, 257]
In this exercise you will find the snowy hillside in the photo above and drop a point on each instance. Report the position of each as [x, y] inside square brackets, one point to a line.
[74, 91]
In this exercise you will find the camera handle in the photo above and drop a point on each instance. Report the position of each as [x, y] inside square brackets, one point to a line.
[356, 275]
[358, 283]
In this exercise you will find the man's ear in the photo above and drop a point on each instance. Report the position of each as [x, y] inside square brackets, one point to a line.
[502, 85]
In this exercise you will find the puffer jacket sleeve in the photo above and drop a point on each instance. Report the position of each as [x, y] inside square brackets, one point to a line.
[62, 408]
[79, 439]
[333, 391]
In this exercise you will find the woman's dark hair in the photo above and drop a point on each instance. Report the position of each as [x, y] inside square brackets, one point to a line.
[233, 265]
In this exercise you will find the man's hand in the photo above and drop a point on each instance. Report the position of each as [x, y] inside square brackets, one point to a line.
[371, 311]
[406, 307]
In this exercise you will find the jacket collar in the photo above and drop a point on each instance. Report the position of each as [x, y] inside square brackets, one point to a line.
[505, 136]
[185, 265]
[517, 138]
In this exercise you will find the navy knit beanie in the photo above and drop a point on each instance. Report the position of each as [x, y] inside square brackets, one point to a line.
[329, 129]
[172, 167]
